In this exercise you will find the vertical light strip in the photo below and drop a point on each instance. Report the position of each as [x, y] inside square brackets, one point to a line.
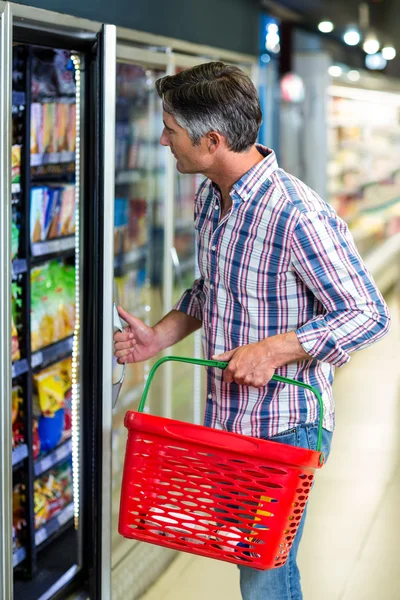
[6, 568]
[76, 341]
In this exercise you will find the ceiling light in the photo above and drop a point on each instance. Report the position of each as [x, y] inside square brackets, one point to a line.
[335, 71]
[375, 62]
[353, 75]
[351, 37]
[326, 26]
[388, 52]
[371, 44]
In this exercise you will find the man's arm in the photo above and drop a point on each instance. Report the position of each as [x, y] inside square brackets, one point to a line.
[326, 260]
[174, 327]
[140, 342]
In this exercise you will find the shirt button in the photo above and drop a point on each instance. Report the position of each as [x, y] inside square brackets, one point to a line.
[211, 286]
[216, 207]
[214, 248]
[210, 396]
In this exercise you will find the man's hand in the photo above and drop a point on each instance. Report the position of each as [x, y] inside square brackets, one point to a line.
[254, 365]
[138, 341]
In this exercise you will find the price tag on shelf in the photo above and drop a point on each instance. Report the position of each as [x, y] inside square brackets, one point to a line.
[37, 359]
[19, 454]
[40, 536]
[66, 515]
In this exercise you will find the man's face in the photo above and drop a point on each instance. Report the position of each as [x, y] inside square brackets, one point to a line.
[189, 158]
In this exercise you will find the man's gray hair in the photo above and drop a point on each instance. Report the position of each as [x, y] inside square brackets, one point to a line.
[213, 97]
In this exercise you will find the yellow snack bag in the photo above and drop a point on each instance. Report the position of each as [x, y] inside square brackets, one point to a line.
[50, 391]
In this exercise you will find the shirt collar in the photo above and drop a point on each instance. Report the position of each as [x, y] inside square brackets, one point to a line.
[258, 174]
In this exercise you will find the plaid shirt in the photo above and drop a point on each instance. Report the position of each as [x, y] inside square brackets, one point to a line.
[281, 260]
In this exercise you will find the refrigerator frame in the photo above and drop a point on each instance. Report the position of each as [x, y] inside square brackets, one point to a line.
[37, 27]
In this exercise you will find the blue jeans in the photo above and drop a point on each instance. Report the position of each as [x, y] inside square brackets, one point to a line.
[283, 583]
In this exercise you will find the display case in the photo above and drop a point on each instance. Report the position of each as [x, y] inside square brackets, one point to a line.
[364, 162]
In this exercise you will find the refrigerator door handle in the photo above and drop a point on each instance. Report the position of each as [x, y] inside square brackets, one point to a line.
[117, 323]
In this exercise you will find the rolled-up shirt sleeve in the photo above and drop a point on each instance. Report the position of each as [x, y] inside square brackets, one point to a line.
[193, 300]
[355, 314]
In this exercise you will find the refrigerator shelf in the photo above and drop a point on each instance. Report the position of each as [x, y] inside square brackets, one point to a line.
[55, 456]
[19, 454]
[58, 245]
[53, 158]
[56, 525]
[19, 266]
[19, 556]
[126, 262]
[52, 353]
[20, 367]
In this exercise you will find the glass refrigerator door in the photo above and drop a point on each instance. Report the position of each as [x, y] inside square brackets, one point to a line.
[42, 472]
[140, 189]
[186, 402]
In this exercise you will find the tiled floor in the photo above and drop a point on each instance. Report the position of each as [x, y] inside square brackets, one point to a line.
[351, 544]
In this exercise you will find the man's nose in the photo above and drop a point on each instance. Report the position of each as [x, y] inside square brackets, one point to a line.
[164, 138]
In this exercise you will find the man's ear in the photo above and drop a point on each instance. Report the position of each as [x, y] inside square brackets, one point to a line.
[214, 141]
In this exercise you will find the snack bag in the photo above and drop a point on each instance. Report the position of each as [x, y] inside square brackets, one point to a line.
[17, 421]
[66, 376]
[40, 503]
[71, 132]
[36, 131]
[16, 163]
[48, 127]
[64, 73]
[52, 217]
[15, 306]
[62, 116]
[49, 388]
[67, 212]
[19, 521]
[43, 314]
[36, 439]
[14, 239]
[37, 214]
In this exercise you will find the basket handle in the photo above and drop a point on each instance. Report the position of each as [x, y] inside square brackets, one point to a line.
[222, 365]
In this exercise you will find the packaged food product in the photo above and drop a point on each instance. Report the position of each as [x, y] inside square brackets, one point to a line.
[49, 127]
[51, 430]
[43, 324]
[37, 214]
[49, 388]
[52, 219]
[64, 73]
[52, 493]
[52, 303]
[16, 163]
[17, 417]
[36, 439]
[62, 118]
[43, 76]
[66, 375]
[19, 520]
[67, 211]
[15, 307]
[36, 131]
[71, 132]
[14, 239]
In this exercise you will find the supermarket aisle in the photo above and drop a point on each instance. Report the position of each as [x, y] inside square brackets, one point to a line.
[351, 544]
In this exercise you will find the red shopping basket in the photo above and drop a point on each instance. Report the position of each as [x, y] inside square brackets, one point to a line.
[218, 494]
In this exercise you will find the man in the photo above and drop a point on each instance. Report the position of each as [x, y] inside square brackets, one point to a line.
[282, 288]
